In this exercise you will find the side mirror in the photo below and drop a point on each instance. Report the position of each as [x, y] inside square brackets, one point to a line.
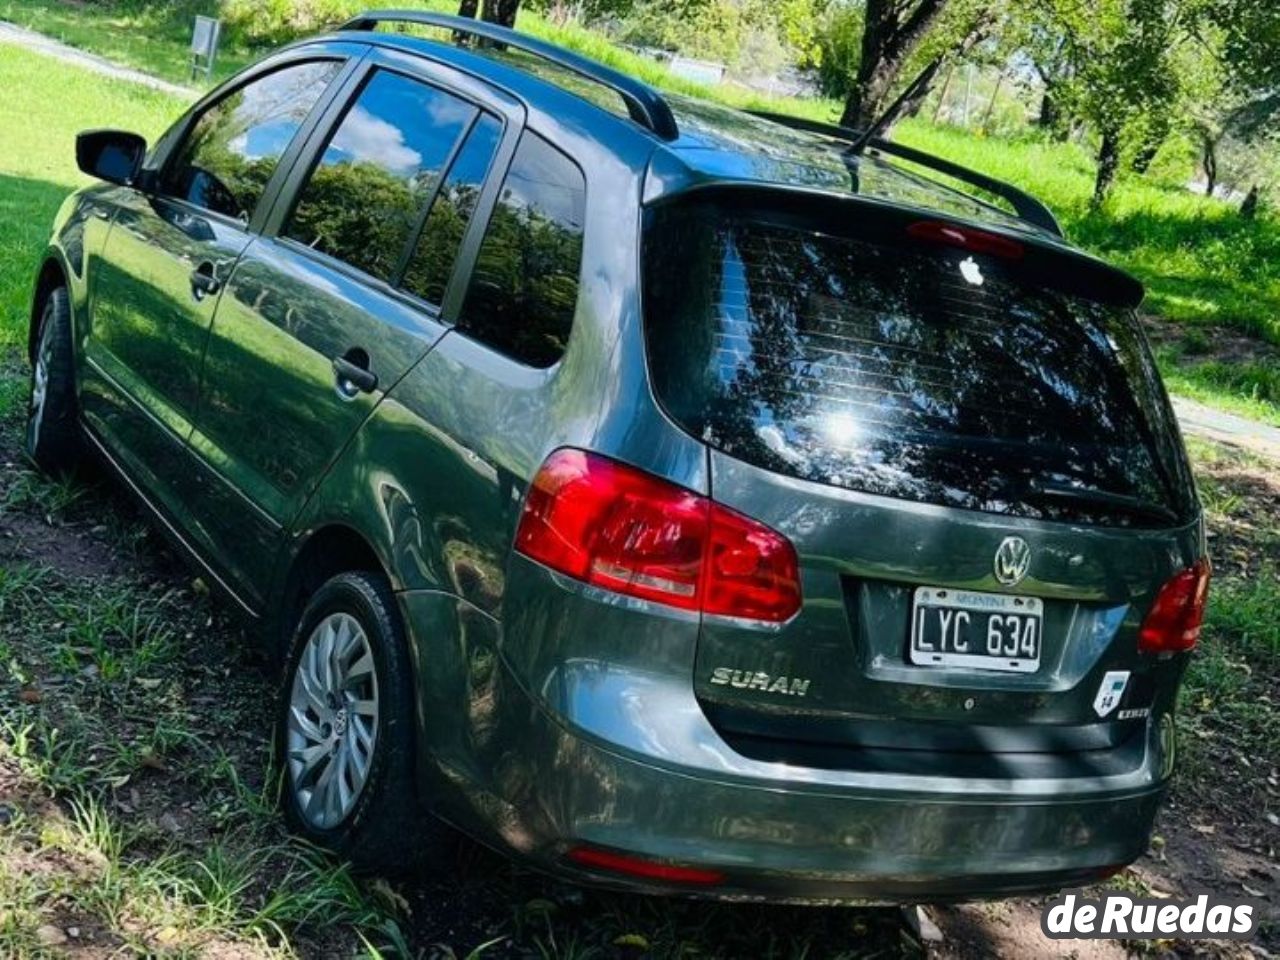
[111, 155]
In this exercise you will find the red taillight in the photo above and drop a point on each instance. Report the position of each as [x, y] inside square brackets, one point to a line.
[612, 862]
[622, 529]
[966, 238]
[1173, 622]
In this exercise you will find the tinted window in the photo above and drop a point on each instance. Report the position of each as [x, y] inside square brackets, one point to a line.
[912, 371]
[363, 198]
[234, 146]
[432, 262]
[525, 283]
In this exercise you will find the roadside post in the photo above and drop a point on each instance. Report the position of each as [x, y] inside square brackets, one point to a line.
[204, 45]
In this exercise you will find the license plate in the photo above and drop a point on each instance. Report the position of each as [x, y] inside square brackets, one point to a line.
[983, 631]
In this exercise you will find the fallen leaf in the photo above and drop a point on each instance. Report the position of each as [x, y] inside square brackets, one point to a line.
[392, 896]
[50, 936]
[30, 695]
[636, 940]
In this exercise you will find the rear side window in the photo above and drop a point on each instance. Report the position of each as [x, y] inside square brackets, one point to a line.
[363, 198]
[911, 371]
[234, 146]
[428, 271]
[524, 286]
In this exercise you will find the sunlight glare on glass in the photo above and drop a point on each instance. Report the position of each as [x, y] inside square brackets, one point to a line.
[841, 429]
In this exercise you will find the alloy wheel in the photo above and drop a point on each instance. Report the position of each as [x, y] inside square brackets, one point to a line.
[332, 724]
[39, 386]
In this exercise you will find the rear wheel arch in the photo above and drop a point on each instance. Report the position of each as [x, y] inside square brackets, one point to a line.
[324, 553]
[50, 277]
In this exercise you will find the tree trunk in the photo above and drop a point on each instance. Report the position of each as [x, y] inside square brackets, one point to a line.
[1050, 115]
[911, 106]
[1209, 160]
[869, 95]
[1108, 163]
[1249, 208]
[468, 8]
[1142, 160]
[887, 42]
[501, 12]
[942, 97]
[991, 104]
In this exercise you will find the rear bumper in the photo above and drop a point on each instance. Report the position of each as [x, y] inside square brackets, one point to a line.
[785, 838]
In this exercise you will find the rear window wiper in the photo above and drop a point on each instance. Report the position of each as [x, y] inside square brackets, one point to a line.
[1116, 502]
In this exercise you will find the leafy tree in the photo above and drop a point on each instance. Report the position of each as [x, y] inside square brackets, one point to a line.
[1114, 68]
[1250, 37]
[758, 36]
[839, 41]
[898, 39]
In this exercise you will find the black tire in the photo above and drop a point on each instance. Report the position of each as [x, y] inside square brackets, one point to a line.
[386, 828]
[53, 437]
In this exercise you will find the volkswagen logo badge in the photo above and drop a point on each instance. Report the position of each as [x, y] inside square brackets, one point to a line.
[1013, 559]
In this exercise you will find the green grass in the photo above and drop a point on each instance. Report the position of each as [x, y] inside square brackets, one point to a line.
[153, 37]
[44, 103]
[1230, 687]
[1201, 263]
[1249, 389]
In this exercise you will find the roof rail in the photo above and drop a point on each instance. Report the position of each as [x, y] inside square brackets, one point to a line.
[646, 105]
[1024, 204]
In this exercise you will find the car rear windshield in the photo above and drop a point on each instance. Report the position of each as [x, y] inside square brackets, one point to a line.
[872, 361]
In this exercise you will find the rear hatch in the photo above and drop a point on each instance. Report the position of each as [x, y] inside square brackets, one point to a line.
[964, 436]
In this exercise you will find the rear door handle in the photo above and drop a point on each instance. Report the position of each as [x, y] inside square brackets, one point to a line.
[353, 376]
[204, 281]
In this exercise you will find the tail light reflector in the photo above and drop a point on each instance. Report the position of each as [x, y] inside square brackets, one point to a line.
[612, 862]
[1173, 622]
[966, 238]
[625, 530]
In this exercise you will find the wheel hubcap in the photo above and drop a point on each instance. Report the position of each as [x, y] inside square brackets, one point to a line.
[39, 387]
[332, 725]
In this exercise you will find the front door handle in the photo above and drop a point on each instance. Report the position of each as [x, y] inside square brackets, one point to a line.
[204, 281]
[352, 373]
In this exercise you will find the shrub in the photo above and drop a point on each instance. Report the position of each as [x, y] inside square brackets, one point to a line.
[269, 22]
[840, 46]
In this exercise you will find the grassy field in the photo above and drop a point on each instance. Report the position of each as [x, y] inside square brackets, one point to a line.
[37, 165]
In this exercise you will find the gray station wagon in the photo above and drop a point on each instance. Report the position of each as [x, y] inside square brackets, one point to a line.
[675, 498]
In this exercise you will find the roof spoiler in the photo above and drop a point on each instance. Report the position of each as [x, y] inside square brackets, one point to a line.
[1039, 258]
[1024, 204]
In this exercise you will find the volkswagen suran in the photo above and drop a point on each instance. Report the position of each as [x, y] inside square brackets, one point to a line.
[672, 497]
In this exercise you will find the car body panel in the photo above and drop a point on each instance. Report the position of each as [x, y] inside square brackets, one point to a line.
[145, 339]
[272, 419]
[862, 556]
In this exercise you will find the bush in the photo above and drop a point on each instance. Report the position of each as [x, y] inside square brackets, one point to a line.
[840, 49]
[270, 22]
